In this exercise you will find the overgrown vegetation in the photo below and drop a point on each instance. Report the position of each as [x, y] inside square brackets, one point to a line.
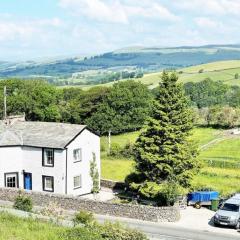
[94, 175]
[23, 202]
[12, 227]
[108, 231]
[83, 217]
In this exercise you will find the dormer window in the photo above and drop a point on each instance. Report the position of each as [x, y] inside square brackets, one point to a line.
[48, 157]
[77, 155]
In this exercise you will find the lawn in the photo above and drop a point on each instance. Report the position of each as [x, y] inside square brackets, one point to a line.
[14, 228]
[221, 160]
[118, 168]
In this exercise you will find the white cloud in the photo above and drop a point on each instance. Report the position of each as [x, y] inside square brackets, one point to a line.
[210, 7]
[97, 10]
[204, 22]
[24, 30]
[116, 11]
[153, 10]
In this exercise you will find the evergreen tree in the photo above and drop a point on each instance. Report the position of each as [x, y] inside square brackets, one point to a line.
[163, 152]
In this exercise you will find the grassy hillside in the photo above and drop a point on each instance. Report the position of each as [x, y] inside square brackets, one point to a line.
[28, 229]
[219, 152]
[218, 71]
[148, 59]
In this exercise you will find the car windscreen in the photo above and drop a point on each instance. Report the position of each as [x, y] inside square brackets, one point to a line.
[230, 207]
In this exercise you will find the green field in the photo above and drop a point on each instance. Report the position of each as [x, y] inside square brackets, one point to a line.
[219, 152]
[13, 228]
[218, 71]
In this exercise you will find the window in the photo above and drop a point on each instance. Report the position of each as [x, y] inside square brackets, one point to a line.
[77, 182]
[48, 157]
[11, 180]
[77, 155]
[48, 183]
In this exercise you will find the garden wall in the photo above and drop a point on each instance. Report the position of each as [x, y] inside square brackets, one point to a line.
[113, 184]
[161, 214]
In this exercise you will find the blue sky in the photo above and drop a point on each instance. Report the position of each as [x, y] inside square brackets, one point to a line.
[50, 28]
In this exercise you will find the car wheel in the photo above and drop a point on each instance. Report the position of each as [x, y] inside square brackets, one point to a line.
[237, 226]
[215, 224]
[197, 205]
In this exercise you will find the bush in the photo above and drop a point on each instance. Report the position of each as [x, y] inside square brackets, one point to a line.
[118, 151]
[83, 217]
[115, 150]
[164, 194]
[115, 231]
[80, 233]
[128, 150]
[23, 202]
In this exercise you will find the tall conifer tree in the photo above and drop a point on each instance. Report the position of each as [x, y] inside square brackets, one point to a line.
[163, 151]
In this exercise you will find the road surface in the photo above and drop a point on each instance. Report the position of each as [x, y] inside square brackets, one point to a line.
[161, 231]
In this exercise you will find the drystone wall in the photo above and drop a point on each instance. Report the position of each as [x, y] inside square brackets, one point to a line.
[148, 213]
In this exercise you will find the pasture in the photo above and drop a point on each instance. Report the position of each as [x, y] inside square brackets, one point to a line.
[219, 152]
[218, 71]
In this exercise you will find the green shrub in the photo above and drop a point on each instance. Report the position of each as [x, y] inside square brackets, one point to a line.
[115, 150]
[93, 230]
[115, 231]
[164, 194]
[83, 217]
[80, 233]
[128, 151]
[118, 151]
[23, 202]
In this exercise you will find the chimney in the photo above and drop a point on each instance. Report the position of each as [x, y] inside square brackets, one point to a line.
[10, 120]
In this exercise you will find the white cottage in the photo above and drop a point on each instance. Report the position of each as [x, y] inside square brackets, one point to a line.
[49, 157]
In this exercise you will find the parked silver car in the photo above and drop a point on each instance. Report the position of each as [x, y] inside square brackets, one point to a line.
[229, 213]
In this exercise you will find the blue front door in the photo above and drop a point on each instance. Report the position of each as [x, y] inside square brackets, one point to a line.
[28, 181]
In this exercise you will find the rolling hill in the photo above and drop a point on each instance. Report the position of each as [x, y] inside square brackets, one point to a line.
[217, 71]
[147, 59]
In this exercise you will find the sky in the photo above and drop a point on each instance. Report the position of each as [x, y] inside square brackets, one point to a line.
[55, 28]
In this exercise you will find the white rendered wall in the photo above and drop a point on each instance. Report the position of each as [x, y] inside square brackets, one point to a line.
[32, 159]
[89, 143]
[29, 159]
[10, 161]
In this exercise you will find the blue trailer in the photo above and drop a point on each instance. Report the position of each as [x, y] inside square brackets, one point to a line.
[202, 198]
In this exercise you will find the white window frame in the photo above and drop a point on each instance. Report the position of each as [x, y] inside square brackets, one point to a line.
[45, 188]
[80, 182]
[11, 175]
[48, 160]
[79, 157]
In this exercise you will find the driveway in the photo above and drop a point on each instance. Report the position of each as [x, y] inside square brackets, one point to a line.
[201, 219]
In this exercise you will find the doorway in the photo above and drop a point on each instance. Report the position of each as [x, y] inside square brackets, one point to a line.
[27, 181]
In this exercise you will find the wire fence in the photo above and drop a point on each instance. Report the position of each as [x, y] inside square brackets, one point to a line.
[223, 164]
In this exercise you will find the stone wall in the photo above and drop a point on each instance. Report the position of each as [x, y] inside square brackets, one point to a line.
[161, 214]
[112, 184]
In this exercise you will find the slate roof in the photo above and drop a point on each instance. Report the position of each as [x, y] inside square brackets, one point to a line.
[38, 134]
